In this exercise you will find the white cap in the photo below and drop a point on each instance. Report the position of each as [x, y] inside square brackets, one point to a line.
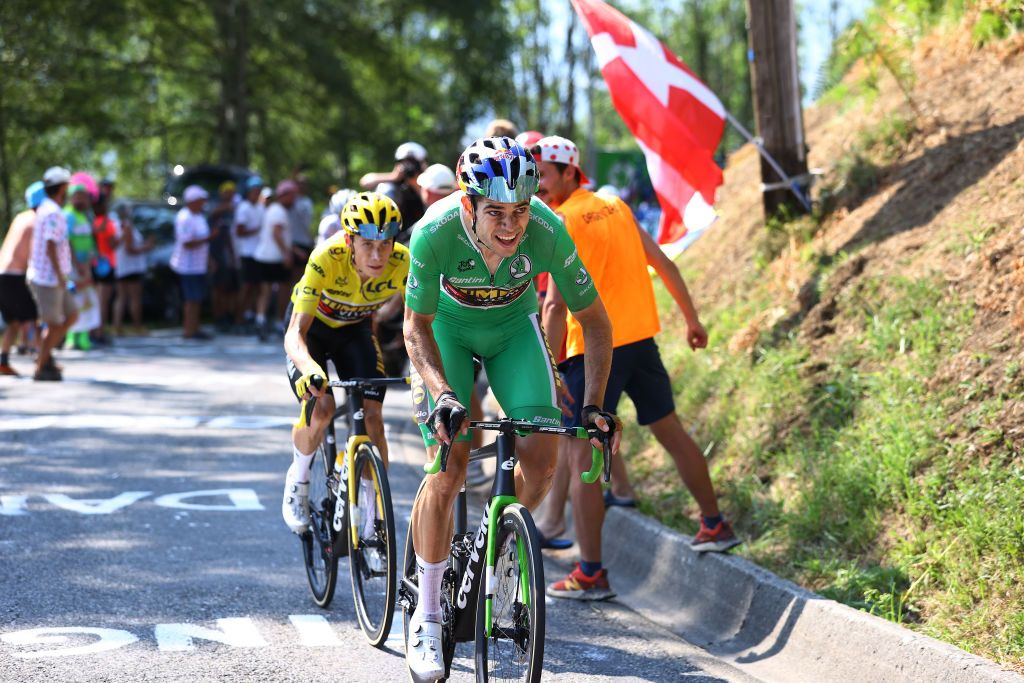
[193, 193]
[55, 175]
[413, 150]
[438, 178]
[559, 150]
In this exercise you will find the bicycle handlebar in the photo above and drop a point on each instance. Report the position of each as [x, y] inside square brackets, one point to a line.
[601, 458]
[356, 382]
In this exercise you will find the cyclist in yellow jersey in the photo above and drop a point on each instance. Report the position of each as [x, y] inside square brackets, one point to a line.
[348, 279]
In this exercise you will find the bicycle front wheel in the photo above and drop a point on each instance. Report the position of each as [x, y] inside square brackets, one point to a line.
[514, 650]
[372, 562]
[318, 551]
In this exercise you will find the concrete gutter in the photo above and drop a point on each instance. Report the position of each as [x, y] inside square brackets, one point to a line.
[768, 627]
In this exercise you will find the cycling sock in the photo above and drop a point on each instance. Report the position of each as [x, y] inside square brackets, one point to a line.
[590, 568]
[367, 506]
[430, 574]
[712, 521]
[299, 471]
[260, 319]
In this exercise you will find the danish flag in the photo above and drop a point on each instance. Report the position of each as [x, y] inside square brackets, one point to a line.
[676, 119]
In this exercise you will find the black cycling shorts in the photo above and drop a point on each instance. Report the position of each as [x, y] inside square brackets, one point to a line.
[353, 349]
[636, 369]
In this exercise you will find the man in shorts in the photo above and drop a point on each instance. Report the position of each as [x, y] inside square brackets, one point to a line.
[49, 267]
[616, 251]
[347, 280]
[470, 293]
[16, 304]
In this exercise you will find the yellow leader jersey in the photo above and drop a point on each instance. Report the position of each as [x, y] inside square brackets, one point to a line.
[609, 245]
[331, 290]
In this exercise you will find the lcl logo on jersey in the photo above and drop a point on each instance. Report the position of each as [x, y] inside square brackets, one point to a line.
[520, 267]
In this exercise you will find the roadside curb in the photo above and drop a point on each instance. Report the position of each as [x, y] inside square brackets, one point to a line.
[764, 625]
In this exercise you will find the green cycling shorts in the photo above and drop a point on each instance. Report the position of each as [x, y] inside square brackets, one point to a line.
[518, 363]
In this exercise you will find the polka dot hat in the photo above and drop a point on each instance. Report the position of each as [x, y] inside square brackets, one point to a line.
[560, 150]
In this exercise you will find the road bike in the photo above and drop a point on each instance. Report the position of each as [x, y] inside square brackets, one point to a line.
[506, 619]
[336, 519]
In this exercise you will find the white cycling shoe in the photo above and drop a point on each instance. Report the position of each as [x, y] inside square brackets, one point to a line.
[295, 505]
[423, 651]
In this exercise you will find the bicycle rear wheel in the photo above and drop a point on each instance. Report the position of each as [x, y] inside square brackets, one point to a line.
[318, 551]
[372, 563]
[515, 649]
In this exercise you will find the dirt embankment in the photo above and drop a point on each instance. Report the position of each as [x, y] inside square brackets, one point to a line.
[948, 199]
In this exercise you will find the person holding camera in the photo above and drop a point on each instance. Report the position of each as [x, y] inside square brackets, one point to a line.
[400, 184]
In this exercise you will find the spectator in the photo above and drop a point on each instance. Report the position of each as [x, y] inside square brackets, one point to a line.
[501, 128]
[616, 253]
[400, 184]
[190, 258]
[436, 183]
[274, 254]
[107, 231]
[49, 267]
[330, 224]
[223, 262]
[300, 216]
[83, 257]
[248, 220]
[129, 270]
[16, 304]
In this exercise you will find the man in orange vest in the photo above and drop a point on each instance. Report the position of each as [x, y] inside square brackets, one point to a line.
[616, 252]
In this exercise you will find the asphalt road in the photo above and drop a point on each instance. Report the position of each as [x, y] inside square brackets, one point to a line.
[141, 537]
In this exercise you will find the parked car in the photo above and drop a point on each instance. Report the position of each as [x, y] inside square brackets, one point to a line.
[160, 300]
[207, 176]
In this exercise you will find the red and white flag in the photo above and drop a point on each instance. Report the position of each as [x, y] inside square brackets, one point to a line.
[676, 119]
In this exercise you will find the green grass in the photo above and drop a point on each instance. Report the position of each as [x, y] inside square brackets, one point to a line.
[840, 472]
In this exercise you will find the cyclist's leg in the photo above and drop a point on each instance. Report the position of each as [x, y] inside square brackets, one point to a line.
[525, 382]
[305, 440]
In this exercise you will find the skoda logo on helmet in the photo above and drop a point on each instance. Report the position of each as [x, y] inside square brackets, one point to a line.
[520, 266]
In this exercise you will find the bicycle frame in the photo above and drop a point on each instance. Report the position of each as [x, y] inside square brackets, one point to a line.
[468, 559]
[344, 464]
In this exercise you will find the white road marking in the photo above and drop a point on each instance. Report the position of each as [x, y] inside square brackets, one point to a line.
[109, 639]
[314, 630]
[236, 632]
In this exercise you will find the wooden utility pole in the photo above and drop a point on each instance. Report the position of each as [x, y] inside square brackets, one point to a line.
[776, 83]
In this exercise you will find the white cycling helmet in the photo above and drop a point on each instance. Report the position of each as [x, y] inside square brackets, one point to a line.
[411, 150]
[339, 199]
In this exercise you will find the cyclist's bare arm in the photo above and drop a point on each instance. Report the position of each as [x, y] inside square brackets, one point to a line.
[295, 346]
[552, 316]
[597, 361]
[426, 357]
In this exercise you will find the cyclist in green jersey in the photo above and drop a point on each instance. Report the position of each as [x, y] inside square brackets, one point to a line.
[470, 292]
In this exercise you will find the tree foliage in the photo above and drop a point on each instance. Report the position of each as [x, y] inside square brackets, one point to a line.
[134, 87]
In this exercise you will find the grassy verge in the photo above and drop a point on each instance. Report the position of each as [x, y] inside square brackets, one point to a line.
[839, 470]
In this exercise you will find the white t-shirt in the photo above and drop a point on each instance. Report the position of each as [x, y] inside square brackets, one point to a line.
[190, 226]
[267, 250]
[130, 264]
[251, 216]
[329, 226]
[51, 226]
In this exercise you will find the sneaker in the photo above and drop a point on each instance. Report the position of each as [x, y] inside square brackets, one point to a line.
[579, 586]
[423, 651]
[6, 369]
[47, 373]
[717, 539]
[295, 505]
[610, 500]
